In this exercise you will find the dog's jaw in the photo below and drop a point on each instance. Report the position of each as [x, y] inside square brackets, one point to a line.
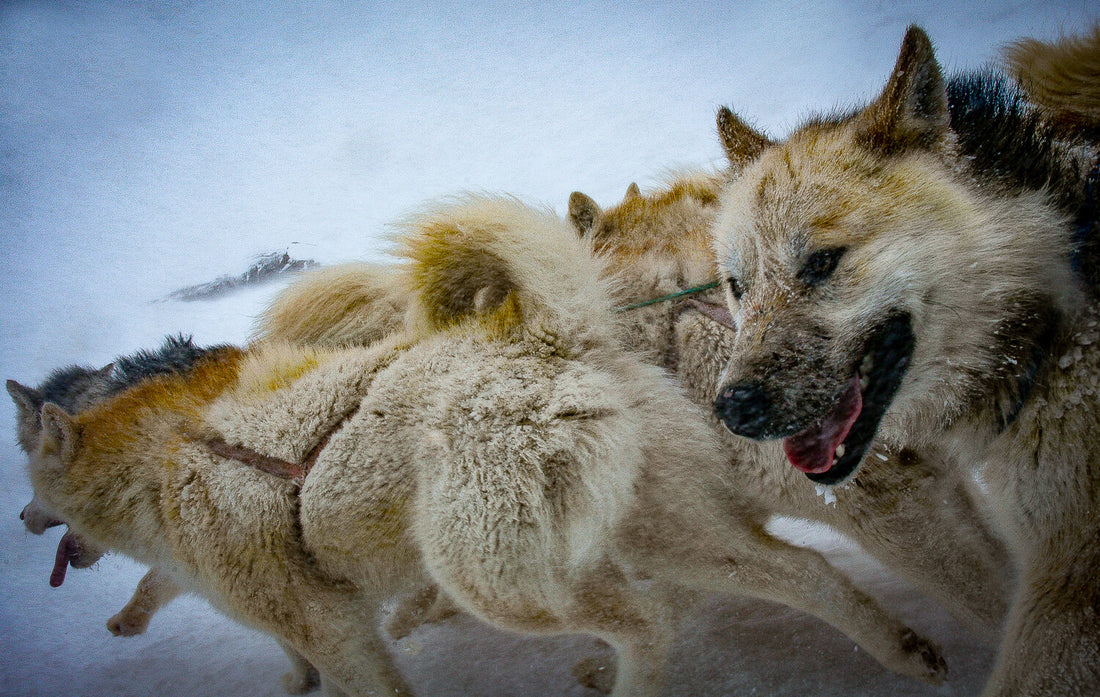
[830, 451]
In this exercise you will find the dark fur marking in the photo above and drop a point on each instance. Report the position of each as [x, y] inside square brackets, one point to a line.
[1010, 143]
[178, 355]
[1025, 381]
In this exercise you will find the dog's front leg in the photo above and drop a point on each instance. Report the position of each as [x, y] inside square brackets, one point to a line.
[1051, 644]
[155, 590]
[734, 557]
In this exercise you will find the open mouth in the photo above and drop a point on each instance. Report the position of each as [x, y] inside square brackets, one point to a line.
[830, 451]
[71, 551]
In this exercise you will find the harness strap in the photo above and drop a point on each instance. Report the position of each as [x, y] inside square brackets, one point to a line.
[671, 296]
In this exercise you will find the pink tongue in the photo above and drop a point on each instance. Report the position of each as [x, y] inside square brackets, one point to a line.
[66, 549]
[812, 450]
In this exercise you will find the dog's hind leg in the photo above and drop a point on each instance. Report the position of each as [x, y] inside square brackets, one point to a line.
[347, 647]
[637, 625]
[155, 590]
[425, 606]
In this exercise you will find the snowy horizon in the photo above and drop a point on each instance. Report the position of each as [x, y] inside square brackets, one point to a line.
[148, 147]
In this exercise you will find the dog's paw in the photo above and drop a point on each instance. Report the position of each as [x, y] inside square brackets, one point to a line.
[928, 663]
[299, 682]
[128, 623]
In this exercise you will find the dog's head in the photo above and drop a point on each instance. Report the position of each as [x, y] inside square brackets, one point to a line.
[74, 388]
[57, 443]
[654, 244]
[867, 279]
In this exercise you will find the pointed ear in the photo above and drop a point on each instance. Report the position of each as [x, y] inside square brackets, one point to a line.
[742, 142]
[912, 110]
[584, 213]
[60, 432]
[105, 371]
[632, 191]
[28, 400]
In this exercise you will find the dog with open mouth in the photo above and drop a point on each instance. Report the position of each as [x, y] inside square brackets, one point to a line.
[922, 270]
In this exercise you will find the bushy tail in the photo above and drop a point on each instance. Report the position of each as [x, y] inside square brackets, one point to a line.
[347, 305]
[1062, 77]
[493, 260]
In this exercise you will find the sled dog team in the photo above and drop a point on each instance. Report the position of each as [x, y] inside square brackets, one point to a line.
[505, 424]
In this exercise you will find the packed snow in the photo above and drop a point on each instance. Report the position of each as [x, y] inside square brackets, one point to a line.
[148, 147]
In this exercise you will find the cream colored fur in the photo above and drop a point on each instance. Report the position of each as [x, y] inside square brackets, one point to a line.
[505, 447]
[327, 306]
[1004, 371]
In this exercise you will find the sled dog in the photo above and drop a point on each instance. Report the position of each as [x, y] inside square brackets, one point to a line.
[909, 509]
[74, 389]
[503, 445]
[918, 272]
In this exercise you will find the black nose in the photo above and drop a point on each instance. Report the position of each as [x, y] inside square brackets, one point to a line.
[746, 409]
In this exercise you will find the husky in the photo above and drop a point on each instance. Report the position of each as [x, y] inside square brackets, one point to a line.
[74, 389]
[910, 509]
[503, 446]
[919, 519]
[917, 271]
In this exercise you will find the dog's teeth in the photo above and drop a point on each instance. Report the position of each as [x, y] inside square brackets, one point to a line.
[864, 381]
[867, 365]
[840, 450]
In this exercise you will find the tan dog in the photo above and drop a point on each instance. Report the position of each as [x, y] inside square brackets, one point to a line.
[918, 272]
[506, 444]
[77, 388]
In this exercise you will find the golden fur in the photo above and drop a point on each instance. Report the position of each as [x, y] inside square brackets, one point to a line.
[506, 446]
[868, 235]
[1061, 76]
[325, 305]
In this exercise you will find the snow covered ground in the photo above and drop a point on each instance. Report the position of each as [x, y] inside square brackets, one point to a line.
[145, 147]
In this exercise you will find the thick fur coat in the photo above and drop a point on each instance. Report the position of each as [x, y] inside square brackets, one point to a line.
[504, 446]
[918, 272]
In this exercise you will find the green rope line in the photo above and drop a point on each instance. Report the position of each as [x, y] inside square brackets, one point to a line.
[673, 296]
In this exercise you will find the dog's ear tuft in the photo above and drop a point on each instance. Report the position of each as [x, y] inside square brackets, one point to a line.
[742, 142]
[60, 433]
[584, 213]
[912, 111]
[27, 399]
[105, 371]
[632, 192]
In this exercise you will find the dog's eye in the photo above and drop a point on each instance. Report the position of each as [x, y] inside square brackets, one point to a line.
[820, 265]
[735, 287]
